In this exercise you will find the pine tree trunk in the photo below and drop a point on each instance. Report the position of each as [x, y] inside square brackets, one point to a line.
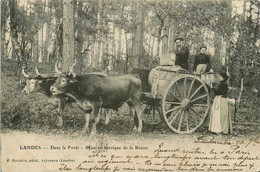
[14, 37]
[100, 23]
[35, 49]
[79, 38]
[68, 34]
[106, 52]
[119, 45]
[128, 53]
[165, 36]
[46, 34]
[3, 52]
[152, 50]
[114, 46]
[138, 40]
[217, 45]
[172, 32]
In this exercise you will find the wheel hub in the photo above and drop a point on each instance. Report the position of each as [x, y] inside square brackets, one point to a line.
[185, 104]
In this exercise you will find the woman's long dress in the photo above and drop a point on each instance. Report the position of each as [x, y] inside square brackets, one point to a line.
[220, 118]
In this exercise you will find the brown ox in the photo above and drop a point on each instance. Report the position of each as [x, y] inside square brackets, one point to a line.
[92, 92]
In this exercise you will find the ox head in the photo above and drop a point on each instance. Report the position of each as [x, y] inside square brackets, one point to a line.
[36, 83]
[64, 81]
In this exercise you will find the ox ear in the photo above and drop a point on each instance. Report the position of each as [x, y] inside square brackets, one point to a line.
[73, 81]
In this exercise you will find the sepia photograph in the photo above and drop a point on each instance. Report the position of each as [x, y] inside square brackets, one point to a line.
[121, 85]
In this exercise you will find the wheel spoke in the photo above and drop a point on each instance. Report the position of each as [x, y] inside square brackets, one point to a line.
[199, 98]
[187, 122]
[201, 105]
[174, 117]
[172, 109]
[194, 120]
[196, 112]
[173, 103]
[174, 96]
[146, 108]
[191, 85]
[148, 114]
[159, 111]
[153, 113]
[178, 89]
[195, 92]
[184, 88]
[180, 122]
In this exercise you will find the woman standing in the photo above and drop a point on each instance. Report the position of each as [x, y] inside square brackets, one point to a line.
[220, 119]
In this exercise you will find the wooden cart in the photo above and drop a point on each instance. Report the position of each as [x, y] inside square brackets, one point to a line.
[172, 94]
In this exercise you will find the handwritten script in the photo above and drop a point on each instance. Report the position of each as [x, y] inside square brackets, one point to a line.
[172, 154]
[205, 154]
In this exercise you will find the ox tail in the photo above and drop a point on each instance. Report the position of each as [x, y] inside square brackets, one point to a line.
[138, 80]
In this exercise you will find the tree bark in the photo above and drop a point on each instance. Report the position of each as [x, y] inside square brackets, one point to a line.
[14, 37]
[35, 49]
[165, 36]
[114, 46]
[119, 52]
[68, 35]
[47, 34]
[79, 38]
[172, 31]
[99, 35]
[138, 38]
[217, 45]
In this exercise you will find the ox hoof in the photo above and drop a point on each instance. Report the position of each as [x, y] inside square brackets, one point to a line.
[59, 125]
[59, 122]
[83, 132]
[138, 131]
[106, 122]
[92, 134]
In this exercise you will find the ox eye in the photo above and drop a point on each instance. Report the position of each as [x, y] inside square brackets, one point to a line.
[63, 80]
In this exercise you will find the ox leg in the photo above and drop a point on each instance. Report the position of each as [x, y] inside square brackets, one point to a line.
[108, 112]
[61, 105]
[138, 110]
[85, 129]
[59, 120]
[133, 112]
[95, 118]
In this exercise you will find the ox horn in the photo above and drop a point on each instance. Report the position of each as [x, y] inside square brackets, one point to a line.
[24, 74]
[37, 71]
[57, 69]
[72, 69]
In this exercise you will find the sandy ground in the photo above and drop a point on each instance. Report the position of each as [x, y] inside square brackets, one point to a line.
[49, 147]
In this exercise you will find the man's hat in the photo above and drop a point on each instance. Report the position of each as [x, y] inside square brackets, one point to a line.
[181, 39]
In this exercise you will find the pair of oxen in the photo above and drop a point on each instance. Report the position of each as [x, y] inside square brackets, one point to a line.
[90, 92]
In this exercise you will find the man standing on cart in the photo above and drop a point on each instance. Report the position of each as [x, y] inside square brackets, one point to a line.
[182, 53]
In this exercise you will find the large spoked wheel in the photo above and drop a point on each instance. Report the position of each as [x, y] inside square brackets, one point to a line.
[152, 113]
[185, 104]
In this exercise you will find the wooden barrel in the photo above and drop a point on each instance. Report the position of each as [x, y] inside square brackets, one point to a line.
[161, 76]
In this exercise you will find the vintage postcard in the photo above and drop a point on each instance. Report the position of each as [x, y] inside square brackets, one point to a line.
[120, 86]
